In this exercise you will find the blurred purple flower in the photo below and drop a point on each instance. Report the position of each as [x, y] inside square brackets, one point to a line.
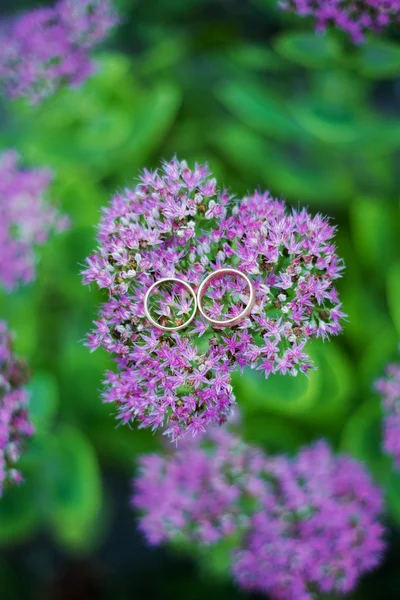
[322, 533]
[294, 526]
[47, 47]
[389, 388]
[356, 17]
[198, 491]
[25, 219]
[15, 426]
[178, 223]
[88, 21]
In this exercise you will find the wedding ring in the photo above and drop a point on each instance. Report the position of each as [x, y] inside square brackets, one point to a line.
[147, 298]
[216, 275]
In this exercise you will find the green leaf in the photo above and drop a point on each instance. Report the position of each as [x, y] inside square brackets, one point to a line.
[393, 294]
[362, 438]
[373, 226]
[18, 514]
[393, 494]
[333, 402]
[280, 394]
[320, 400]
[106, 132]
[44, 400]
[367, 316]
[256, 57]
[111, 124]
[270, 6]
[114, 70]
[215, 560]
[284, 173]
[164, 55]
[330, 124]
[275, 434]
[308, 49]
[80, 195]
[378, 349]
[121, 445]
[21, 315]
[378, 59]
[259, 108]
[77, 365]
[72, 479]
[153, 120]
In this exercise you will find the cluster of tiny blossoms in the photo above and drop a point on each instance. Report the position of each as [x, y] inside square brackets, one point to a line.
[294, 526]
[25, 219]
[389, 388]
[177, 222]
[47, 47]
[355, 17]
[15, 427]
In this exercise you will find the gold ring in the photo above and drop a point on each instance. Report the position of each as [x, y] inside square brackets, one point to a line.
[146, 302]
[209, 279]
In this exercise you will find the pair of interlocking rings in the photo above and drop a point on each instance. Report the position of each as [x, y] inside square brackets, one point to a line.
[198, 299]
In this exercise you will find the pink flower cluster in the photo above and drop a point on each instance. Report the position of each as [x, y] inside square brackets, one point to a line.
[355, 17]
[177, 222]
[25, 219]
[47, 47]
[389, 388]
[15, 426]
[294, 526]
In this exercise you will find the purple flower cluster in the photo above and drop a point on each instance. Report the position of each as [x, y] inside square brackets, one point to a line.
[25, 219]
[389, 388]
[198, 491]
[178, 223]
[88, 21]
[320, 530]
[47, 47]
[356, 17]
[294, 526]
[15, 426]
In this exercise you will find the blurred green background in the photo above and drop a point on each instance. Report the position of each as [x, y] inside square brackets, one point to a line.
[268, 104]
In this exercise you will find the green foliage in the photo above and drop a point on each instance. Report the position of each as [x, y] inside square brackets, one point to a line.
[378, 59]
[393, 291]
[277, 169]
[44, 399]
[308, 49]
[374, 231]
[259, 110]
[18, 516]
[255, 57]
[270, 105]
[73, 481]
[319, 401]
[111, 122]
[62, 491]
[362, 437]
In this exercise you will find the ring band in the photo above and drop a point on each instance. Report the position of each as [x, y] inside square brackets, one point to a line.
[146, 303]
[209, 279]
